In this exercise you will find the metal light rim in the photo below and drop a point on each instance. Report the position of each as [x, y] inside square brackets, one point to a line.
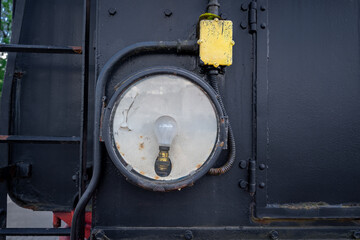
[134, 177]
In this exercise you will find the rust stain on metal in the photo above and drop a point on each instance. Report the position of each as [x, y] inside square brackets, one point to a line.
[4, 137]
[118, 146]
[141, 136]
[269, 220]
[143, 158]
[122, 154]
[141, 146]
[156, 177]
[77, 49]
[306, 205]
[198, 166]
[142, 173]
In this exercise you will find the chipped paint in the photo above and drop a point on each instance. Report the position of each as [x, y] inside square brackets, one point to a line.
[174, 96]
[125, 112]
[306, 205]
[216, 42]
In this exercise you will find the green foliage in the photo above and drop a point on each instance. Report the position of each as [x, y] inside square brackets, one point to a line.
[5, 34]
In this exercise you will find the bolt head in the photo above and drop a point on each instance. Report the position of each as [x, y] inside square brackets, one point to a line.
[262, 185]
[167, 12]
[188, 235]
[263, 25]
[243, 25]
[243, 184]
[262, 166]
[74, 177]
[262, 8]
[274, 235]
[112, 11]
[242, 164]
[244, 7]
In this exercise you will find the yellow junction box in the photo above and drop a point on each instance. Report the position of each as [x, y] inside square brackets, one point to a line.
[216, 42]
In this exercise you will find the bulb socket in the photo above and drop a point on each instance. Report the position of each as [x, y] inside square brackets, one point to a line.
[164, 148]
[163, 164]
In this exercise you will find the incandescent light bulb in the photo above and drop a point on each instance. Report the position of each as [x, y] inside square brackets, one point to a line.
[165, 131]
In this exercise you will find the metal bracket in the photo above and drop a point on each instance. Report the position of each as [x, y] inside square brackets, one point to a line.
[18, 170]
[251, 21]
[224, 121]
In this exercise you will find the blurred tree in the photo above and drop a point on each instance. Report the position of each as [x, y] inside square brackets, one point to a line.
[5, 34]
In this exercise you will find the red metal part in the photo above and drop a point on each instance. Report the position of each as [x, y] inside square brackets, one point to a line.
[67, 218]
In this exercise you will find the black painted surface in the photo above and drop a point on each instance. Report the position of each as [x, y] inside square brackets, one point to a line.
[308, 111]
[46, 102]
[212, 201]
[308, 128]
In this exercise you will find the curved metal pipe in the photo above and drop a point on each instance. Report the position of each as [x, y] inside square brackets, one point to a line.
[179, 47]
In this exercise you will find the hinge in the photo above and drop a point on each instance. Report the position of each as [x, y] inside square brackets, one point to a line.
[252, 16]
[252, 177]
[250, 184]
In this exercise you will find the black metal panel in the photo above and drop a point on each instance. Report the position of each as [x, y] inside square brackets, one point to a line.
[213, 200]
[293, 91]
[46, 102]
[308, 109]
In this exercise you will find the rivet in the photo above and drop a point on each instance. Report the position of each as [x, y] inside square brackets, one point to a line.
[112, 11]
[74, 177]
[274, 235]
[216, 64]
[232, 42]
[243, 25]
[216, 19]
[262, 185]
[262, 8]
[244, 7]
[262, 166]
[243, 184]
[168, 12]
[263, 25]
[188, 235]
[242, 164]
[200, 41]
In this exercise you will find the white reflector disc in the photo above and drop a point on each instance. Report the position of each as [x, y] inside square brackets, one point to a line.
[170, 95]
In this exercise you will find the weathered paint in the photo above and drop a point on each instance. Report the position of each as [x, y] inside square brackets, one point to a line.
[216, 42]
[146, 101]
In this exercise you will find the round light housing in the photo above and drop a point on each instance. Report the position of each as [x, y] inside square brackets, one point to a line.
[163, 128]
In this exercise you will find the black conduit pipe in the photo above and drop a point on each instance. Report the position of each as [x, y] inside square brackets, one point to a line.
[213, 77]
[168, 47]
[213, 7]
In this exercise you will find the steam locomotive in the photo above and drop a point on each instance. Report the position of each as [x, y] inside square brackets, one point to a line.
[164, 119]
